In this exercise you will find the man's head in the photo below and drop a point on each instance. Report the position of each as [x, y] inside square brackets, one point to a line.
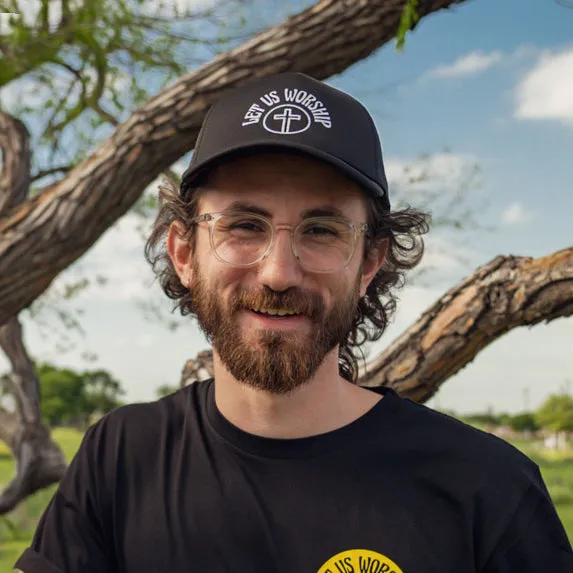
[259, 247]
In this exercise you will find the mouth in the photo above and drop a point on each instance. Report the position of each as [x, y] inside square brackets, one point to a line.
[268, 320]
[275, 313]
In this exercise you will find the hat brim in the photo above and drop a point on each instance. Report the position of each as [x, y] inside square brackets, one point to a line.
[197, 171]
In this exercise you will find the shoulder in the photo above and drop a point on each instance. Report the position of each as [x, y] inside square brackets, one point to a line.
[442, 436]
[138, 431]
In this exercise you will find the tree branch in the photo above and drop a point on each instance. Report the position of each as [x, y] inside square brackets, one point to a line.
[52, 171]
[15, 148]
[62, 223]
[506, 293]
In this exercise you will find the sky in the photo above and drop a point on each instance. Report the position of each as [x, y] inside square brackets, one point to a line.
[481, 99]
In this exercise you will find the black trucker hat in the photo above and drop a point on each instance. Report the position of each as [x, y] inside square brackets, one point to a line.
[292, 112]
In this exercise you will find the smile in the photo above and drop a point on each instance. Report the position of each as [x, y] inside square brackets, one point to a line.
[275, 321]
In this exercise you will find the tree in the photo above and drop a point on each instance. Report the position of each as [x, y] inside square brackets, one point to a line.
[556, 414]
[59, 222]
[62, 398]
[523, 422]
[165, 390]
[72, 398]
[101, 392]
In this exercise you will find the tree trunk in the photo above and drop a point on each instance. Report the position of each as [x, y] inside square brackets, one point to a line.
[39, 460]
[506, 293]
[15, 176]
[59, 225]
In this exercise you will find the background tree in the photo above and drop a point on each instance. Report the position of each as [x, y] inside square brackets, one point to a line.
[92, 187]
[165, 390]
[62, 392]
[556, 414]
[523, 422]
[72, 398]
[101, 393]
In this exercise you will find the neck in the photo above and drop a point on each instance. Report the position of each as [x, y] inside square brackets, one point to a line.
[324, 403]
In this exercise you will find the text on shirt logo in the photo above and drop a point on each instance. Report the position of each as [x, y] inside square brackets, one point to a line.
[360, 561]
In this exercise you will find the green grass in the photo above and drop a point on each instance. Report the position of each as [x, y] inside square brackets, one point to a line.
[17, 528]
[557, 471]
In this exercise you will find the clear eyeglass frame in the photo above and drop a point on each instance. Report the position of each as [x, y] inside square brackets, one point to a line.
[212, 218]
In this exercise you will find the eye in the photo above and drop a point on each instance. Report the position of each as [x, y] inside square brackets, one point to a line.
[246, 226]
[322, 230]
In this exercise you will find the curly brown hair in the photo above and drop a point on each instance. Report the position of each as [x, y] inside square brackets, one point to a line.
[401, 229]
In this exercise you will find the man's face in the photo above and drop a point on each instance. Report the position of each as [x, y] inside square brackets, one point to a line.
[276, 354]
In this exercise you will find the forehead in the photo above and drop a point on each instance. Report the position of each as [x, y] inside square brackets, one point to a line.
[283, 185]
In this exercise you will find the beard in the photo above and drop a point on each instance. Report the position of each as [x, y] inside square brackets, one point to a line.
[280, 361]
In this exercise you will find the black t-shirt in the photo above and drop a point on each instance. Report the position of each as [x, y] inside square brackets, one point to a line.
[173, 487]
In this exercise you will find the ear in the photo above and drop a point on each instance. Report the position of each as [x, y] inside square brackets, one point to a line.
[373, 263]
[180, 252]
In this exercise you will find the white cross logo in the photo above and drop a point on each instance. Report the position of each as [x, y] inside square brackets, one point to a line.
[289, 120]
[286, 117]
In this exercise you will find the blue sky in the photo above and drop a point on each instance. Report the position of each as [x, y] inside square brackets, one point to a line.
[491, 81]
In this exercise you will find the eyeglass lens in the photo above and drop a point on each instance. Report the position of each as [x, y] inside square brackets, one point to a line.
[323, 244]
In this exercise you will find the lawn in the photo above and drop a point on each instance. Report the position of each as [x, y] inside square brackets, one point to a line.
[17, 527]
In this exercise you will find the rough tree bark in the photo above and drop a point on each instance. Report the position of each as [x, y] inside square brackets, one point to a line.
[505, 293]
[39, 460]
[48, 232]
[15, 175]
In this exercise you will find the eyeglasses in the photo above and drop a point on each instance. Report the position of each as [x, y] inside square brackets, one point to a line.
[320, 244]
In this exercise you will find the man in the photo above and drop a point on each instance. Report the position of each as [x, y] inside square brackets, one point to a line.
[282, 243]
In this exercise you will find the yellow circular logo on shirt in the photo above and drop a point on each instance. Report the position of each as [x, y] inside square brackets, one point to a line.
[360, 561]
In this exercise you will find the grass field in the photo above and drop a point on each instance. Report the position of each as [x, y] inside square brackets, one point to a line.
[16, 529]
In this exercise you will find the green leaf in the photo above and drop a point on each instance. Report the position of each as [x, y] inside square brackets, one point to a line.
[408, 21]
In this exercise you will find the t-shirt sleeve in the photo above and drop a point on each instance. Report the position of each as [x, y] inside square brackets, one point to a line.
[535, 539]
[71, 535]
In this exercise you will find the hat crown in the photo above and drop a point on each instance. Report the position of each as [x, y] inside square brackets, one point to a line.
[297, 113]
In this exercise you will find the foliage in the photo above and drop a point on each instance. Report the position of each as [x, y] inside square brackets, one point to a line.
[165, 390]
[482, 419]
[523, 422]
[556, 413]
[72, 398]
[408, 22]
[91, 62]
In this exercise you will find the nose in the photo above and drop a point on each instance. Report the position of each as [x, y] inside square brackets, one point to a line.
[280, 270]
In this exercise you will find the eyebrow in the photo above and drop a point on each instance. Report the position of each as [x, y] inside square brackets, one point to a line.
[322, 211]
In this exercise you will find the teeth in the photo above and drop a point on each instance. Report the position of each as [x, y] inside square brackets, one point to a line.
[274, 312]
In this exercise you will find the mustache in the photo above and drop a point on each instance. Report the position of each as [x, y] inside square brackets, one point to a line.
[305, 303]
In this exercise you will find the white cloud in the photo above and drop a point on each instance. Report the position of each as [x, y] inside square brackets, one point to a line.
[546, 91]
[5, 18]
[26, 91]
[469, 65]
[516, 213]
[29, 10]
[445, 254]
[118, 257]
[169, 8]
[438, 172]
[144, 340]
